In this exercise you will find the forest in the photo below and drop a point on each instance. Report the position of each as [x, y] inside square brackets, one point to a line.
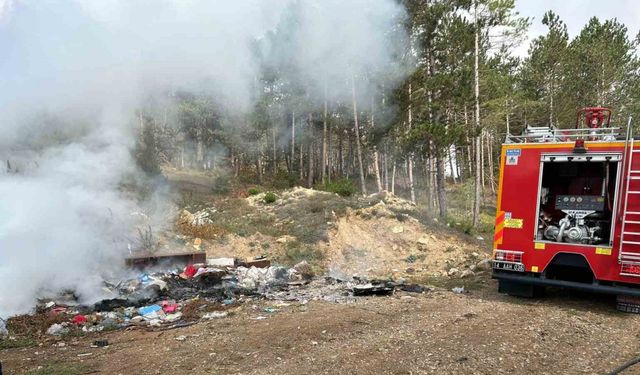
[434, 115]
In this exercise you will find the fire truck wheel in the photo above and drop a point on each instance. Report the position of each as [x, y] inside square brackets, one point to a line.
[628, 304]
[519, 289]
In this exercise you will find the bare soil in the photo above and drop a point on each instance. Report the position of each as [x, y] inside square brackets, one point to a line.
[437, 332]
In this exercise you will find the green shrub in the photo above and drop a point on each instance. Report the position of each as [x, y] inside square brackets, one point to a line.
[222, 185]
[270, 197]
[284, 180]
[297, 252]
[343, 187]
[253, 191]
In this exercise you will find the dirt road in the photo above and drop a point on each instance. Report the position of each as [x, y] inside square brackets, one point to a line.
[437, 332]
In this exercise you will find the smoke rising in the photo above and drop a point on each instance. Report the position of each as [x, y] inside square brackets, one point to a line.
[73, 75]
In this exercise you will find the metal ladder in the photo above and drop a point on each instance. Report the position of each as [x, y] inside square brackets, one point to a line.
[629, 258]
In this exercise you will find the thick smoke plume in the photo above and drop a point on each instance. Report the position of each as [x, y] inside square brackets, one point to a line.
[73, 75]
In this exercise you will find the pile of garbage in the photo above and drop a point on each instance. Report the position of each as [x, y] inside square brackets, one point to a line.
[181, 296]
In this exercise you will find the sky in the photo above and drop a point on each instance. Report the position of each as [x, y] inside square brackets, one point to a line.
[576, 13]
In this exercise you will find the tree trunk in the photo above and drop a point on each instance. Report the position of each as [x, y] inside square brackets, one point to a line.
[259, 168]
[376, 165]
[412, 189]
[451, 153]
[324, 137]
[275, 152]
[293, 140]
[440, 184]
[385, 157]
[482, 162]
[477, 196]
[393, 177]
[311, 166]
[363, 186]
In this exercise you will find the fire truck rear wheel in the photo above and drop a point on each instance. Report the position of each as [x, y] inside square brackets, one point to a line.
[628, 304]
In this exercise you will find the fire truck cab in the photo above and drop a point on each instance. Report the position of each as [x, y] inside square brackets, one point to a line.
[568, 210]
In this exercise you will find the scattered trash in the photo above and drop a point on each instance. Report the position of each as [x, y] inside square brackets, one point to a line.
[179, 296]
[100, 343]
[221, 262]
[57, 330]
[79, 320]
[181, 338]
[148, 310]
[215, 315]
[190, 271]
[374, 288]
[84, 354]
[412, 288]
[458, 289]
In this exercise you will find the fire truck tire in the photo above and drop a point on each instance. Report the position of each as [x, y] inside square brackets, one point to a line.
[516, 289]
[628, 305]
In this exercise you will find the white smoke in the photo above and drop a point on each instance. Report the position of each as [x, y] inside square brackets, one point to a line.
[72, 76]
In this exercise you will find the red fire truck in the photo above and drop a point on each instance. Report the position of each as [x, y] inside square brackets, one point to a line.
[568, 210]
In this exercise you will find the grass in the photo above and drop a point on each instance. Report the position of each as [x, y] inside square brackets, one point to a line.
[62, 368]
[17, 343]
[297, 252]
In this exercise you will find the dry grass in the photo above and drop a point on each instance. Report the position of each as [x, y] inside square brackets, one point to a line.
[33, 325]
[193, 309]
[207, 231]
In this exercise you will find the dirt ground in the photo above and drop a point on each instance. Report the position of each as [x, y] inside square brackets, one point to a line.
[436, 332]
[479, 332]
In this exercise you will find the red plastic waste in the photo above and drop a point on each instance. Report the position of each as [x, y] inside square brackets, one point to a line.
[79, 319]
[169, 307]
[190, 270]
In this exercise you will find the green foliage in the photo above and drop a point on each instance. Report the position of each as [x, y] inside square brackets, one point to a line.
[253, 191]
[344, 187]
[284, 179]
[62, 368]
[146, 151]
[297, 252]
[270, 197]
[18, 342]
[222, 185]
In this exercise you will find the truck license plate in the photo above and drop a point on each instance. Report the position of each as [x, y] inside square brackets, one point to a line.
[518, 267]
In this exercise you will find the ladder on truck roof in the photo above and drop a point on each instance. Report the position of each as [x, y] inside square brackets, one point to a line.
[629, 250]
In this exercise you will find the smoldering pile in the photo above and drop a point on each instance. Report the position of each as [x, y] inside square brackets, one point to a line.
[181, 296]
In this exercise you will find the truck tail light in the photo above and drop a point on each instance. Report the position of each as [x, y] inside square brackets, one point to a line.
[630, 269]
[507, 256]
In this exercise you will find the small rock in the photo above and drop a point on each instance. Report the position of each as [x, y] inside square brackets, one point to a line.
[484, 265]
[480, 238]
[215, 315]
[285, 239]
[423, 241]
[453, 271]
[474, 254]
[397, 229]
[466, 273]
[314, 343]
[181, 338]
[472, 267]
[458, 289]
